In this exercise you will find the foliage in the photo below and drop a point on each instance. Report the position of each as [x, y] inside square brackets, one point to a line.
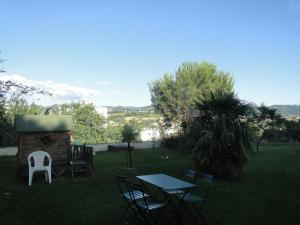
[293, 130]
[173, 141]
[20, 107]
[274, 135]
[130, 132]
[115, 109]
[266, 124]
[145, 119]
[224, 136]
[89, 125]
[12, 93]
[113, 134]
[173, 94]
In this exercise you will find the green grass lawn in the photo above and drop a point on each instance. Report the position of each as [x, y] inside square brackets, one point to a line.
[269, 193]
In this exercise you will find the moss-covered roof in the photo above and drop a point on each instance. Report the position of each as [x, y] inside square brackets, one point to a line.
[45, 123]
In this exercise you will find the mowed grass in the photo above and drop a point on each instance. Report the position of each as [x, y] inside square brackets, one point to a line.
[268, 193]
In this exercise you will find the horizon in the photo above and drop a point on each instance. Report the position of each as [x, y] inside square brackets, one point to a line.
[107, 52]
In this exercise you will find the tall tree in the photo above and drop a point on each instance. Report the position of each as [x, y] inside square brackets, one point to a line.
[89, 125]
[173, 94]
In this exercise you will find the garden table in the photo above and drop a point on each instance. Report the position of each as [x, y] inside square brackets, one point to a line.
[167, 184]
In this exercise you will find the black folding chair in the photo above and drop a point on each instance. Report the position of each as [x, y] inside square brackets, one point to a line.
[192, 201]
[148, 209]
[128, 196]
[174, 197]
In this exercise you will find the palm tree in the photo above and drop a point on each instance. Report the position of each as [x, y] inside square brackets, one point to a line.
[224, 135]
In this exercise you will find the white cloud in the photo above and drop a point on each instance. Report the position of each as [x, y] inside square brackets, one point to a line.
[60, 91]
[106, 83]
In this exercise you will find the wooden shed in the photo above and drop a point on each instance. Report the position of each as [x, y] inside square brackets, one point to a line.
[49, 133]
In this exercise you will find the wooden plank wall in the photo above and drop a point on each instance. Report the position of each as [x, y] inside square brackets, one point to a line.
[57, 144]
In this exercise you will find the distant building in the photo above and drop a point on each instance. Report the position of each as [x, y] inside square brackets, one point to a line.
[149, 134]
[292, 117]
[171, 131]
[102, 111]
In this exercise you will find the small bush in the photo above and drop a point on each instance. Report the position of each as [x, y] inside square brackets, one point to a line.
[173, 142]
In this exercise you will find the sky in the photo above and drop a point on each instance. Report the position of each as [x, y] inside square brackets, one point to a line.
[106, 52]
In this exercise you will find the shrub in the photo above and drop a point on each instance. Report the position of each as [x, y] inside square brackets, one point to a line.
[224, 137]
[173, 141]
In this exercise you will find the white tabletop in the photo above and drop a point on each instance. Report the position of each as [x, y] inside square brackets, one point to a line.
[165, 182]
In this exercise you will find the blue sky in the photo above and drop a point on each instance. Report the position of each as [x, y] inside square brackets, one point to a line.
[106, 52]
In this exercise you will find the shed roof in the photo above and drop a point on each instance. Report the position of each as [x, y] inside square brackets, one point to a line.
[44, 123]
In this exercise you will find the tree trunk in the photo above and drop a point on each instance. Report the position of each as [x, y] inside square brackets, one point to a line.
[258, 143]
[129, 155]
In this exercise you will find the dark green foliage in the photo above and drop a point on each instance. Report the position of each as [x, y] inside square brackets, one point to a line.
[130, 132]
[173, 94]
[193, 134]
[7, 132]
[273, 135]
[89, 125]
[293, 130]
[113, 133]
[173, 142]
[224, 136]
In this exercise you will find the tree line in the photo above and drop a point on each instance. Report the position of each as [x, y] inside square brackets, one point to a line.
[89, 126]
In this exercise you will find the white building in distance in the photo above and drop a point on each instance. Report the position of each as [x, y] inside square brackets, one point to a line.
[102, 111]
[148, 134]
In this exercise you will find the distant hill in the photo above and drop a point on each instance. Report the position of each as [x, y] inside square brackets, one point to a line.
[282, 109]
[130, 108]
[287, 109]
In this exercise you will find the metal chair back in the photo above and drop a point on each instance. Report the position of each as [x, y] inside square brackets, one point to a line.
[203, 181]
[145, 205]
[132, 188]
[122, 184]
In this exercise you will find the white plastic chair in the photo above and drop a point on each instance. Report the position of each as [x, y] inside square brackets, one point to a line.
[38, 164]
